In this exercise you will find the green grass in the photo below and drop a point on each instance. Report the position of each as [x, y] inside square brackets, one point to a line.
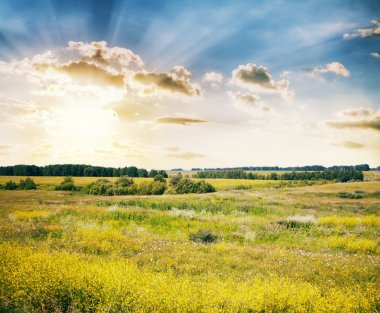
[288, 249]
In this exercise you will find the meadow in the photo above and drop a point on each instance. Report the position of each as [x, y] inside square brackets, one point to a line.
[252, 246]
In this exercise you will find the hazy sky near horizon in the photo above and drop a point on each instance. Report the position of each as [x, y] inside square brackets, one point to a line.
[167, 84]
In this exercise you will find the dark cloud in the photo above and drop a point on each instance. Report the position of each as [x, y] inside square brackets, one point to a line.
[177, 80]
[179, 120]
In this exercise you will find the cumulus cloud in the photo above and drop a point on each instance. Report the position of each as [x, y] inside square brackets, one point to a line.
[333, 67]
[365, 32]
[187, 155]
[213, 78]
[179, 120]
[54, 75]
[361, 118]
[86, 73]
[97, 71]
[178, 80]
[98, 52]
[375, 55]
[259, 79]
[252, 75]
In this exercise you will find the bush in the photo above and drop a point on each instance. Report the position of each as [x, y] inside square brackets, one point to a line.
[175, 179]
[27, 184]
[204, 236]
[152, 188]
[10, 185]
[159, 178]
[124, 181]
[350, 195]
[186, 185]
[99, 187]
[125, 186]
[67, 185]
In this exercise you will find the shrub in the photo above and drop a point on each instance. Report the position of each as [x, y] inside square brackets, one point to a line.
[156, 188]
[350, 195]
[159, 178]
[125, 186]
[99, 187]
[124, 181]
[204, 236]
[186, 185]
[175, 179]
[10, 185]
[67, 185]
[241, 187]
[27, 184]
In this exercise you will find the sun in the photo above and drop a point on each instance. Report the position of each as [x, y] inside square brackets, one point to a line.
[83, 124]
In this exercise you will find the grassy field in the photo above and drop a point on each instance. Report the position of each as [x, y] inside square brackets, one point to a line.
[277, 248]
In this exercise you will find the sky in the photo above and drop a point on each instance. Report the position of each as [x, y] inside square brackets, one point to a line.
[183, 84]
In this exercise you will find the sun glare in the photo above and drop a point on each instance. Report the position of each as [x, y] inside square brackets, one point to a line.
[84, 124]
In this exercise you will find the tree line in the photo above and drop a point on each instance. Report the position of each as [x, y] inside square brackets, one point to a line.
[340, 175]
[78, 170]
[360, 167]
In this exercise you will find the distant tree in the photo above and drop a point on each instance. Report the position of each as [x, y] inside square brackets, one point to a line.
[163, 173]
[132, 171]
[116, 172]
[152, 173]
[88, 171]
[273, 176]
[142, 172]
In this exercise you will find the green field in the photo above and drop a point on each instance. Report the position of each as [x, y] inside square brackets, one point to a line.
[276, 248]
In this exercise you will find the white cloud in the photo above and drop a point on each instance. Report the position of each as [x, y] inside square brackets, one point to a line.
[248, 100]
[375, 55]
[178, 80]
[365, 32]
[360, 118]
[333, 67]
[259, 79]
[98, 53]
[213, 78]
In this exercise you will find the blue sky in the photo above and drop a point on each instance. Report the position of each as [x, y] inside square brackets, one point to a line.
[294, 40]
